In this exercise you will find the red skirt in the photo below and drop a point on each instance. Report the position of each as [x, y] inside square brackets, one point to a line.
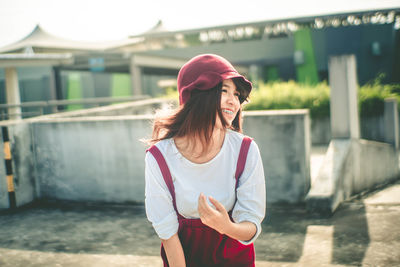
[205, 247]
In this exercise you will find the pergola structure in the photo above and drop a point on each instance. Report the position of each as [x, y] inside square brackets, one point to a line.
[11, 61]
[40, 48]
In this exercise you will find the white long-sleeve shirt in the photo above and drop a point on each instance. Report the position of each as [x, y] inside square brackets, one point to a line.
[214, 178]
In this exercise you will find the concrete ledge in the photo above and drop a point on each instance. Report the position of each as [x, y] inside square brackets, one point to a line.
[130, 108]
[324, 196]
[278, 112]
[350, 167]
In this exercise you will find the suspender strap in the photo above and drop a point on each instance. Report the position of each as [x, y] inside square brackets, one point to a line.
[244, 149]
[165, 172]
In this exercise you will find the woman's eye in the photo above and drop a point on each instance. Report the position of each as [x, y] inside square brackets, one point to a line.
[237, 94]
[224, 90]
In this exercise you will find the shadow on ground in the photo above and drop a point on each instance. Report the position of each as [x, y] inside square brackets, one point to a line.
[77, 228]
[285, 230]
[124, 230]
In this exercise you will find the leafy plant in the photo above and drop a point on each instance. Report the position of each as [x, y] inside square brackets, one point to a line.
[316, 98]
[291, 95]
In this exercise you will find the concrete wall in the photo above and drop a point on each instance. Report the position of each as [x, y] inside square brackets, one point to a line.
[284, 140]
[371, 128]
[101, 159]
[379, 164]
[351, 166]
[320, 131]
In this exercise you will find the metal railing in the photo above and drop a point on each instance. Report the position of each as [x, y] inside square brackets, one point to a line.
[40, 106]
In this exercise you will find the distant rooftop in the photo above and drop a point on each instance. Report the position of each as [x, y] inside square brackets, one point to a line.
[40, 39]
[158, 37]
[284, 26]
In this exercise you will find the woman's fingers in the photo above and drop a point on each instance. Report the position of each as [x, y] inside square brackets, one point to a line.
[202, 201]
[217, 218]
[217, 204]
[204, 208]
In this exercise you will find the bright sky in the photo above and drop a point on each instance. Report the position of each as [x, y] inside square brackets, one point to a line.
[97, 20]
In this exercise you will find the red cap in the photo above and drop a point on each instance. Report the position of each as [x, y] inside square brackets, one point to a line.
[204, 72]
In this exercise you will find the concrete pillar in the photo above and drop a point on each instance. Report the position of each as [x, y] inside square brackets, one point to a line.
[254, 73]
[391, 120]
[344, 104]
[88, 90]
[136, 77]
[12, 93]
[53, 87]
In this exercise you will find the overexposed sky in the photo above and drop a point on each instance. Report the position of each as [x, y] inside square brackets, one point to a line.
[98, 20]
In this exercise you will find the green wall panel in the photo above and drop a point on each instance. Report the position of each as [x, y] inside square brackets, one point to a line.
[307, 72]
[121, 85]
[74, 90]
[271, 73]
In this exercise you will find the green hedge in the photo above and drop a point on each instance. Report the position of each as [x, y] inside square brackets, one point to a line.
[292, 95]
[371, 97]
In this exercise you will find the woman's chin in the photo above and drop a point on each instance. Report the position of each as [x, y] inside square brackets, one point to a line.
[229, 120]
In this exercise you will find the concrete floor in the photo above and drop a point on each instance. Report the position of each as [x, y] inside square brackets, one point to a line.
[364, 231]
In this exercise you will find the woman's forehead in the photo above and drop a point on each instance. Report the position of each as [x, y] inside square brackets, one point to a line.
[228, 83]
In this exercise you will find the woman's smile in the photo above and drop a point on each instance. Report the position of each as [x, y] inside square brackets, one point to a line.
[228, 111]
[230, 103]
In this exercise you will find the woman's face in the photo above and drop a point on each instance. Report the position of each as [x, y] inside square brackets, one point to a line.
[230, 103]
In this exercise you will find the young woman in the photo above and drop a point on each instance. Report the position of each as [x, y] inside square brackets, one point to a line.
[205, 186]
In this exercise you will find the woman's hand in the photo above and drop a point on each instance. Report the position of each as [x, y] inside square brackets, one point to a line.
[217, 218]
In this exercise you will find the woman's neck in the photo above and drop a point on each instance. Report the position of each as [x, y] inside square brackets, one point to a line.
[198, 151]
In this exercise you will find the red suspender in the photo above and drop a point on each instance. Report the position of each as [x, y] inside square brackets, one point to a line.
[244, 149]
[165, 172]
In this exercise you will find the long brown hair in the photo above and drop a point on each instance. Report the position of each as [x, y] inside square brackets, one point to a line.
[197, 117]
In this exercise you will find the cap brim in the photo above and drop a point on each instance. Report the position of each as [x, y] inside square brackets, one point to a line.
[231, 75]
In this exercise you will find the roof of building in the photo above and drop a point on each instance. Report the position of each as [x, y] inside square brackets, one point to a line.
[381, 16]
[40, 41]
[39, 38]
[28, 59]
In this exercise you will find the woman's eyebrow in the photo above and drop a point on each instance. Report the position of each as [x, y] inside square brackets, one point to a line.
[226, 85]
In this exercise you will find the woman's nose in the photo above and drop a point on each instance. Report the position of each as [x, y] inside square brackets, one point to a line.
[231, 98]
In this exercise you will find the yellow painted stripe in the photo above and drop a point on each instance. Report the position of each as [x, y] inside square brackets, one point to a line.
[10, 183]
[7, 150]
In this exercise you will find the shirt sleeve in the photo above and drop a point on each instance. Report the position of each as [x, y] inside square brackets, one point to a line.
[251, 196]
[158, 201]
